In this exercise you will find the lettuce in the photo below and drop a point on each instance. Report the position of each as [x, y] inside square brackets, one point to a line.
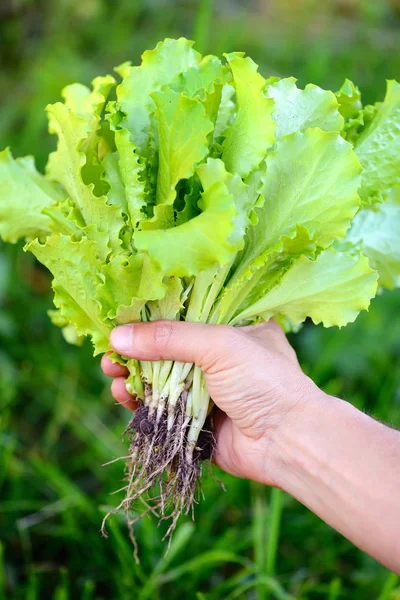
[195, 189]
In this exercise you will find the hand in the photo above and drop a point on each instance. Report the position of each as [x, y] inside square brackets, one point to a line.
[276, 427]
[252, 375]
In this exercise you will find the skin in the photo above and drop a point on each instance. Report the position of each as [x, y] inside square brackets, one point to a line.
[275, 426]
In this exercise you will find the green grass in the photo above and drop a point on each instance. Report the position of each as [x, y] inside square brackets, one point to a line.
[58, 423]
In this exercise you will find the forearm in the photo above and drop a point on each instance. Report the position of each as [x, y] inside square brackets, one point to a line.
[345, 467]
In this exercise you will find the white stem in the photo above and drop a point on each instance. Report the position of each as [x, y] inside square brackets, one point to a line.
[165, 370]
[155, 387]
[147, 371]
[189, 402]
[200, 403]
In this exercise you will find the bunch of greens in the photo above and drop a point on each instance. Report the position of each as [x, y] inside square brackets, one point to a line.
[197, 190]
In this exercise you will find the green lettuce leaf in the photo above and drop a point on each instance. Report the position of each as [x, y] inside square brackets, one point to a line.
[159, 67]
[171, 305]
[183, 127]
[324, 208]
[253, 130]
[204, 240]
[75, 267]
[112, 176]
[85, 103]
[204, 81]
[312, 180]
[129, 281]
[298, 110]
[207, 192]
[378, 147]
[104, 222]
[349, 100]
[331, 290]
[126, 172]
[23, 196]
[226, 111]
[309, 193]
[376, 231]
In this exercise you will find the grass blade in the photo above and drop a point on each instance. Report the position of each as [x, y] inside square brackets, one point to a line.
[202, 25]
[390, 584]
[2, 574]
[274, 531]
[335, 589]
[179, 541]
[260, 521]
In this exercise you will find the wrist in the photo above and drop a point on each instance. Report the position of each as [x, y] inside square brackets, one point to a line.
[289, 443]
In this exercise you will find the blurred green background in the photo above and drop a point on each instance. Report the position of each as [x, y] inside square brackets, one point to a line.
[58, 423]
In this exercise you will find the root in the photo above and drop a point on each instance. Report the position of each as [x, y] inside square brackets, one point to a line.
[158, 472]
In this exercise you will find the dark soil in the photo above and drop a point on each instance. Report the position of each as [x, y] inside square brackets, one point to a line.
[158, 470]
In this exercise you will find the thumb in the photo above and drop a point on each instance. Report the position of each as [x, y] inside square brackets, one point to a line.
[204, 345]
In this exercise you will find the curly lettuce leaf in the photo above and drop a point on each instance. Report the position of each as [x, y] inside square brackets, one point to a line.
[203, 241]
[159, 67]
[125, 170]
[85, 103]
[104, 222]
[309, 193]
[226, 111]
[204, 81]
[112, 176]
[253, 130]
[349, 100]
[298, 110]
[183, 127]
[75, 267]
[129, 281]
[311, 181]
[376, 231]
[378, 147]
[332, 289]
[171, 305]
[24, 193]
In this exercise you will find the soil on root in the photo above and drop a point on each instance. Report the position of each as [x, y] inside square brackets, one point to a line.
[162, 477]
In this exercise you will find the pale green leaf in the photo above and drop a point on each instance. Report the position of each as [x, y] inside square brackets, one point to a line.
[183, 127]
[376, 231]
[75, 267]
[349, 100]
[24, 193]
[226, 111]
[310, 196]
[159, 66]
[65, 167]
[298, 110]
[85, 103]
[129, 172]
[129, 281]
[112, 176]
[311, 181]
[171, 305]
[331, 290]
[252, 131]
[378, 146]
[204, 81]
[204, 240]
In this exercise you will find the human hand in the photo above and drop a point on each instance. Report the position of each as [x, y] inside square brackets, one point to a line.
[252, 375]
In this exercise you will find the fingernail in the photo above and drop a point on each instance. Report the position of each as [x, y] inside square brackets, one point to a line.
[121, 338]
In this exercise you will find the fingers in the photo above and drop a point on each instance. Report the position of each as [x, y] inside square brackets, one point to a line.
[113, 369]
[201, 344]
[118, 388]
[120, 393]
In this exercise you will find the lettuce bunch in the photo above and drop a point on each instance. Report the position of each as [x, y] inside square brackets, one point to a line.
[195, 189]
